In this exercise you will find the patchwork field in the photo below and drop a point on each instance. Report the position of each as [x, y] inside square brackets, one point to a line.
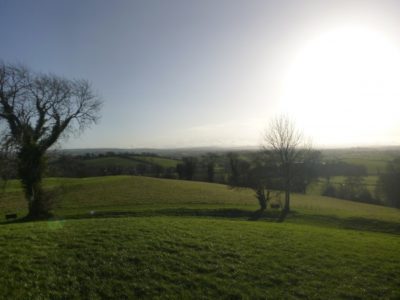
[375, 160]
[138, 237]
[130, 161]
[317, 187]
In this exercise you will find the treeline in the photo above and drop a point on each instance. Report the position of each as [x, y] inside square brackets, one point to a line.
[353, 188]
[388, 185]
[386, 192]
[339, 168]
[90, 164]
[209, 167]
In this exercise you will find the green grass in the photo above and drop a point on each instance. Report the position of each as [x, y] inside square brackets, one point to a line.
[82, 197]
[136, 237]
[172, 257]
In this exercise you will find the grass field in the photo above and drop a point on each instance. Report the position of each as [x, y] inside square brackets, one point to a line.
[138, 237]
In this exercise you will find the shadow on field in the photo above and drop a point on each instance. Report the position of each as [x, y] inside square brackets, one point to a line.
[356, 223]
[186, 212]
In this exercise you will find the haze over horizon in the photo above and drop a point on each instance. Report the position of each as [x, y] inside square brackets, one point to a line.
[213, 73]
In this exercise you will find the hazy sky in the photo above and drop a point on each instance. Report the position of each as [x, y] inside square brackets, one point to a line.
[213, 73]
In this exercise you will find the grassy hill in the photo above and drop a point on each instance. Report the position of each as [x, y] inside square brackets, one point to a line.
[141, 237]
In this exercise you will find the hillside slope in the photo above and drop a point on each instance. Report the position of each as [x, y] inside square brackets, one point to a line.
[88, 197]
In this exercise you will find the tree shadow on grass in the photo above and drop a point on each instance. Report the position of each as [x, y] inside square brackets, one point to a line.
[355, 223]
[229, 213]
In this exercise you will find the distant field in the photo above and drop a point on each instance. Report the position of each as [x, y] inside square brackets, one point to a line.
[374, 160]
[317, 187]
[373, 166]
[111, 162]
[164, 162]
[130, 162]
[137, 237]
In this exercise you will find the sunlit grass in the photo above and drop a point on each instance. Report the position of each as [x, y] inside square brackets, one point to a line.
[178, 257]
[134, 193]
[138, 237]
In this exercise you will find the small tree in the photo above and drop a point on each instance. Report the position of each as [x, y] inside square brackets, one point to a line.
[283, 142]
[210, 162]
[187, 168]
[37, 110]
[258, 174]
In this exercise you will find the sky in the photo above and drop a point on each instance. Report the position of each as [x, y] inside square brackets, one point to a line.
[216, 72]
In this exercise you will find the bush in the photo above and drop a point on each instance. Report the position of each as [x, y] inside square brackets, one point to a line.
[329, 191]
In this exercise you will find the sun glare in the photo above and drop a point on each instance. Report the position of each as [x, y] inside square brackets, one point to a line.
[343, 86]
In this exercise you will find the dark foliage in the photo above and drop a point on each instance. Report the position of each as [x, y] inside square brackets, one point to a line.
[388, 187]
[186, 170]
[340, 168]
[353, 189]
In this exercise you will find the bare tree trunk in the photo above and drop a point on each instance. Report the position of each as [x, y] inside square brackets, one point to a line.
[286, 207]
[287, 201]
[261, 198]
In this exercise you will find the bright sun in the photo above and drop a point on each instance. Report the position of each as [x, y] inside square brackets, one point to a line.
[343, 87]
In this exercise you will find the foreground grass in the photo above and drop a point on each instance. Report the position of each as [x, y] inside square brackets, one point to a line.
[136, 237]
[173, 257]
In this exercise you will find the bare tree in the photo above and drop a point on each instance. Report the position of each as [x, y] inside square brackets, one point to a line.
[36, 110]
[283, 141]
